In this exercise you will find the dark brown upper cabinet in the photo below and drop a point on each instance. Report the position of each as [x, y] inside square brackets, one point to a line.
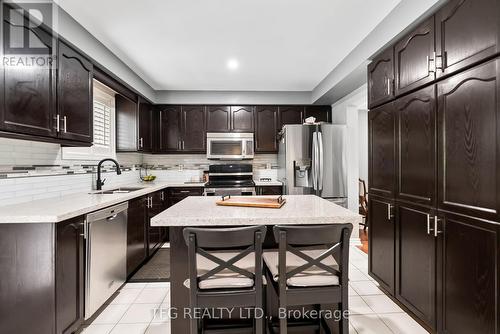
[414, 58]
[193, 129]
[126, 124]
[74, 95]
[416, 250]
[230, 118]
[467, 31]
[170, 129]
[468, 109]
[242, 119]
[266, 129]
[218, 118]
[381, 78]
[291, 115]
[181, 129]
[382, 233]
[469, 275]
[321, 113]
[145, 122]
[382, 150]
[28, 95]
[417, 146]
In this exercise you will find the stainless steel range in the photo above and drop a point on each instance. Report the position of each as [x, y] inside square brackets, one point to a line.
[230, 179]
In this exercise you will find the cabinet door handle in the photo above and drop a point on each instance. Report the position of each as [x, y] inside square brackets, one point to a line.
[85, 230]
[65, 121]
[151, 201]
[436, 230]
[429, 228]
[183, 144]
[441, 61]
[431, 63]
[389, 213]
[141, 142]
[184, 191]
[428, 224]
[162, 196]
[58, 123]
[389, 86]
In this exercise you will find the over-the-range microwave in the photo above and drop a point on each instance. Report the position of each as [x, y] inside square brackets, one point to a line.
[229, 146]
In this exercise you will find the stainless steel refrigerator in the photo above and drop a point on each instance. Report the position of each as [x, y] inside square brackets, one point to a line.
[311, 160]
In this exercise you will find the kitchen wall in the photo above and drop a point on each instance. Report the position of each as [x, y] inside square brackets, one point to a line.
[173, 165]
[232, 97]
[347, 111]
[34, 170]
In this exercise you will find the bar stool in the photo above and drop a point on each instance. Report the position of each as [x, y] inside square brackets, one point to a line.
[310, 268]
[225, 270]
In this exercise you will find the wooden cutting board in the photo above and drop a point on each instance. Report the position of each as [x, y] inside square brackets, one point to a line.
[254, 202]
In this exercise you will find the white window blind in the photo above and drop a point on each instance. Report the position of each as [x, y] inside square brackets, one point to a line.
[102, 124]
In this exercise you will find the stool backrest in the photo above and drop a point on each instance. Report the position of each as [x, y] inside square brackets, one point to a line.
[241, 241]
[333, 238]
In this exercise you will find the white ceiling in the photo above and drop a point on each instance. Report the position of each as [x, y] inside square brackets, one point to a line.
[281, 45]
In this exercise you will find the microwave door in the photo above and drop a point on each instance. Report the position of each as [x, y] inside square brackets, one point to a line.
[222, 148]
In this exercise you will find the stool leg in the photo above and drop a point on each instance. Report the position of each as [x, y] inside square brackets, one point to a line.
[344, 322]
[259, 326]
[283, 326]
[194, 326]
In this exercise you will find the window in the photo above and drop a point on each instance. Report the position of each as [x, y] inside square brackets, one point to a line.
[104, 128]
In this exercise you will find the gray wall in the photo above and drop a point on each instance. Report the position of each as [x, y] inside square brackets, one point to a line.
[232, 97]
[75, 33]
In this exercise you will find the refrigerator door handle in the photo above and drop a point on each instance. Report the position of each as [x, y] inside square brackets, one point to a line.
[315, 160]
[320, 161]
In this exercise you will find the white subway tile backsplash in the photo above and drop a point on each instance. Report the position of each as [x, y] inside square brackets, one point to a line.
[52, 180]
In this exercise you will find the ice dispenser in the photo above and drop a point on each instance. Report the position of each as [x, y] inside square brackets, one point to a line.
[302, 175]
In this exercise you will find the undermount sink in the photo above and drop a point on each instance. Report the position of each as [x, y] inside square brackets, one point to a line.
[121, 190]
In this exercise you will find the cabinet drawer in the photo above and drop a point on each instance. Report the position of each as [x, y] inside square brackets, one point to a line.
[184, 192]
[269, 190]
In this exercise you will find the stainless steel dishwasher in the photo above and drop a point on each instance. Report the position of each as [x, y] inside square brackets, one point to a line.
[106, 261]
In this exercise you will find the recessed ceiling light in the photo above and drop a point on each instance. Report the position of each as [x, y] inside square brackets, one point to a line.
[233, 64]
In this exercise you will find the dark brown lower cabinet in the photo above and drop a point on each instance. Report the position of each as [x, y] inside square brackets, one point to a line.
[269, 190]
[27, 289]
[154, 234]
[381, 242]
[42, 285]
[175, 195]
[469, 267]
[446, 266]
[136, 234]
[416, 250]
[70, 275]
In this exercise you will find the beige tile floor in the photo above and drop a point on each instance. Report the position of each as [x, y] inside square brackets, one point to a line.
[371, 311]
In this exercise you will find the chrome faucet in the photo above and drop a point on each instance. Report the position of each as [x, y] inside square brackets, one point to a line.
[100, 182]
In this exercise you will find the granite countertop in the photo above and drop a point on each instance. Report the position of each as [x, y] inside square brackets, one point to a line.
[53, 210]
[299, 209]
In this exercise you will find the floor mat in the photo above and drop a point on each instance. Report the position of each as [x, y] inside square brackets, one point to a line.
[157, 269]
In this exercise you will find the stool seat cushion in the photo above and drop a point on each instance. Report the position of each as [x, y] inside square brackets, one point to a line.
[225, 279]
[311, 277]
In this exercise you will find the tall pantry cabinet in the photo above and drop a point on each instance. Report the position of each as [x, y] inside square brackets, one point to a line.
[434, 134]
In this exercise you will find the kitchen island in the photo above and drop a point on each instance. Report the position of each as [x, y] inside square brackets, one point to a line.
[203, 211]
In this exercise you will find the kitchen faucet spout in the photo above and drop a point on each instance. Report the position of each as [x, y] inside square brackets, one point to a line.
[99, 182]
